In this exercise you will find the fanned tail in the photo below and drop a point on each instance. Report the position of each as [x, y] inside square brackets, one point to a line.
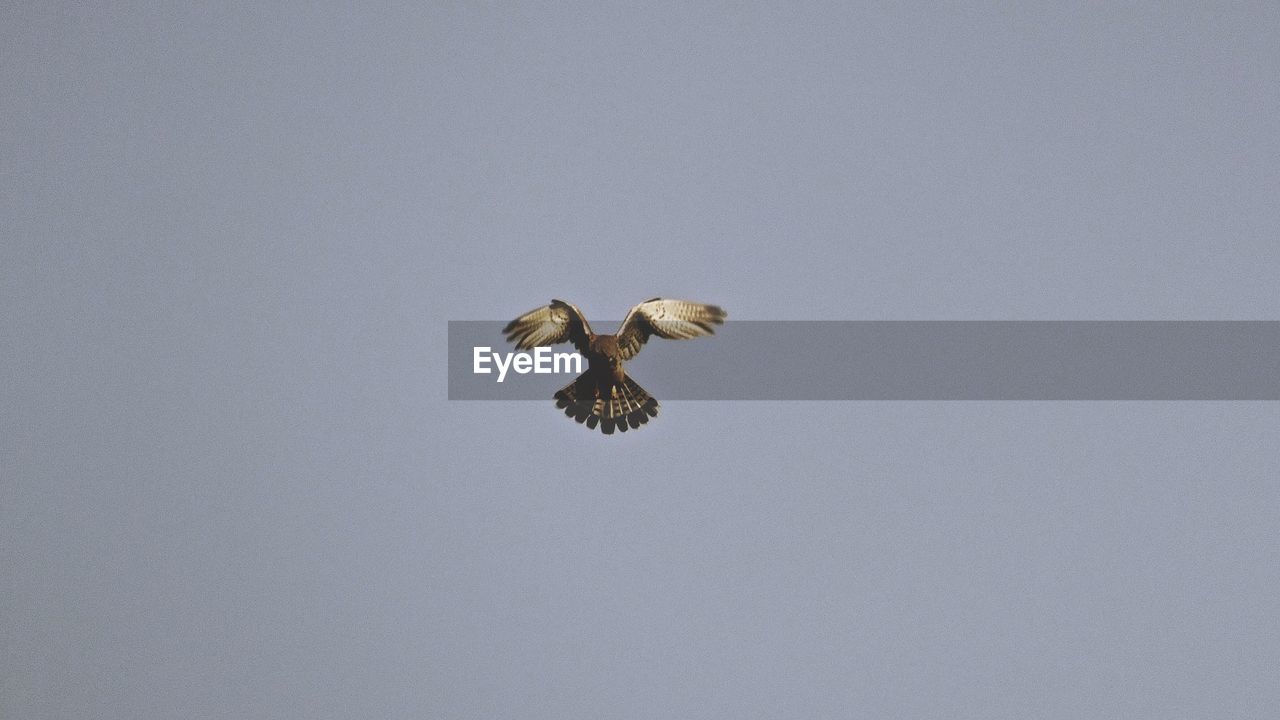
[627, 406]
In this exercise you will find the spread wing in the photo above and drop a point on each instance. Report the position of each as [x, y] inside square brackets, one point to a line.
[548, 325]
[671, 319]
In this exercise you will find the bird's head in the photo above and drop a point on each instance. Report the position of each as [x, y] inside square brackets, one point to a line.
[607, 346]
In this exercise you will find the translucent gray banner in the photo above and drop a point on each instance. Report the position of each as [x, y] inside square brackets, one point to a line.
[916, 360]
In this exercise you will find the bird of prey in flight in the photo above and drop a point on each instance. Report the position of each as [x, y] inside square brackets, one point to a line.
[605, 395]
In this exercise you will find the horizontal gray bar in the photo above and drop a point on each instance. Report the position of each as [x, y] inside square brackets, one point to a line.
[921, 360]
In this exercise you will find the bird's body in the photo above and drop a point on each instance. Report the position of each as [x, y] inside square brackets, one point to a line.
[604, 354]
[605, 394]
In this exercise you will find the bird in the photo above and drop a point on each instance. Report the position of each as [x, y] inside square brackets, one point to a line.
[605, 395]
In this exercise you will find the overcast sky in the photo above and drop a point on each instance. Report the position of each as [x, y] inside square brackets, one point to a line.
[231, 237]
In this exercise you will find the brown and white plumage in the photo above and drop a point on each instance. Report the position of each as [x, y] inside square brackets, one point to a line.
[548, 325]
[605, 394]
[671, 319]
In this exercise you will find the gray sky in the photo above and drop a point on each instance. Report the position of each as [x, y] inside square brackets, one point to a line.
[231, 485]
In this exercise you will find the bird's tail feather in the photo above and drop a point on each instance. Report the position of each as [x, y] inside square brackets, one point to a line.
[627, 405]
